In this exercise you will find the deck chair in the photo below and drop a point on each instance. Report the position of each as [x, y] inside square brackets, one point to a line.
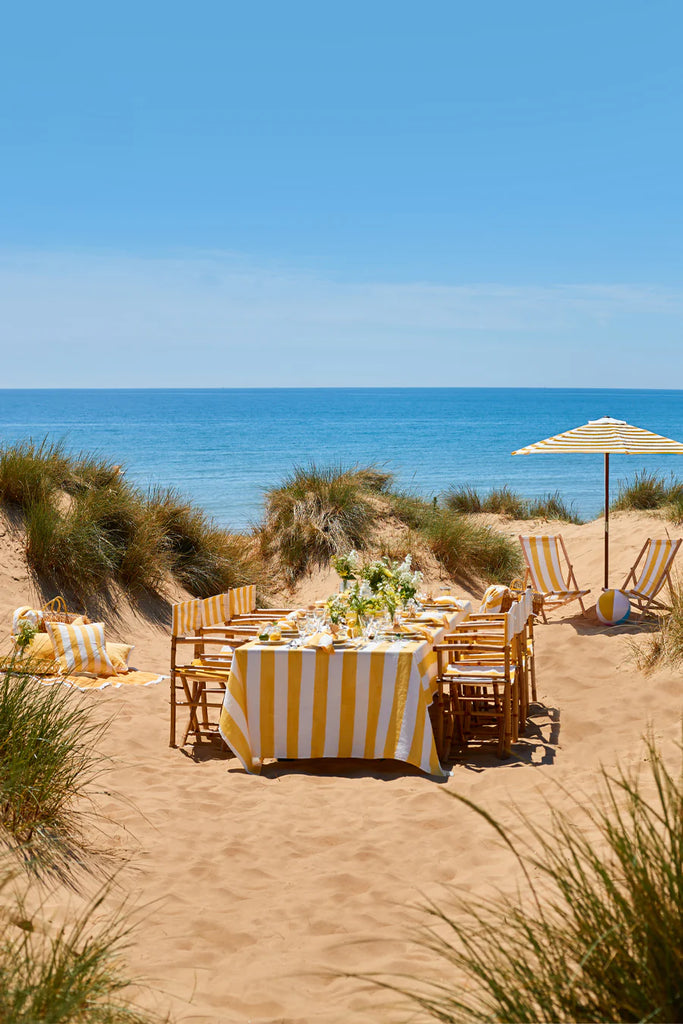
[656, 557]
[544, 570]
[201, 656]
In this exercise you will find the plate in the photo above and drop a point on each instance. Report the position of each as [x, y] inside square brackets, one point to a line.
[272, 643]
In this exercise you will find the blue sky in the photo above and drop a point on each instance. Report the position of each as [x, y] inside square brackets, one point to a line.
[357, 193]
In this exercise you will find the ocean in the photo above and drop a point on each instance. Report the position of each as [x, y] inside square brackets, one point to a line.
[223, 448]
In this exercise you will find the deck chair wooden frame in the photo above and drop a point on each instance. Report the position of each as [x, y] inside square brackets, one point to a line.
[657, 555]
[546, 573]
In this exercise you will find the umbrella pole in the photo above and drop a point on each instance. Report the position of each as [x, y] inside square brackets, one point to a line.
[606, 519]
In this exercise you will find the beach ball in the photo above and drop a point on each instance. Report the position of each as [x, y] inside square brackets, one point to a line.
[613, 607]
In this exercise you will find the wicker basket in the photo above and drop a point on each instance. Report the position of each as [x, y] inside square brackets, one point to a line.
[57, 611]
[517, 588]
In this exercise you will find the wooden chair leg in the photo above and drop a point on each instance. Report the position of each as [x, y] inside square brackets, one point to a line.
[172, 741]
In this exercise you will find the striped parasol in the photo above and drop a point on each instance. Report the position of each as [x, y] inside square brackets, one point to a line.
[605, 436]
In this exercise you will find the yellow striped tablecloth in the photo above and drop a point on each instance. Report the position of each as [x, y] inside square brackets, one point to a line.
[367, 702]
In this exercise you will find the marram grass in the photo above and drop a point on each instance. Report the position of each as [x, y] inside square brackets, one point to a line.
[596, 930]
[47, 766]
[88, 530]
[66, 974]
[506, 502]
[316, 513]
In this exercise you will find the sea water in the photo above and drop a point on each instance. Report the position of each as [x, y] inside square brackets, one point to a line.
[223, 448]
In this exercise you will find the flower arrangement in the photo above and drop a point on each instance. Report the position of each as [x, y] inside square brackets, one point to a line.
[381, 585]
[346, 566]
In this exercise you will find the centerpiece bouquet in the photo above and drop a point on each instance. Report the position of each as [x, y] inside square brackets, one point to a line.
[393, 583]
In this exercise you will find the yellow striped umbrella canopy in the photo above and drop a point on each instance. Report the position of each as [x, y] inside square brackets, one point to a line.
[605, 436]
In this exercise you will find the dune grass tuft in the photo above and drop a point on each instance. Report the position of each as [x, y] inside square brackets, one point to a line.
[598, 935]
[664, 645]
[47, 764]
[88, 529]
[552, 506]
[464, 548]
[71, 975]
[314, 514]
[646, 491]
[505, 502]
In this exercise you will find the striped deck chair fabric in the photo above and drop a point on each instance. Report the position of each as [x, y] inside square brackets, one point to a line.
[215, 611]
[187, 617]
[657, 556]
[242, 600]
[198, 677]
[544, 569]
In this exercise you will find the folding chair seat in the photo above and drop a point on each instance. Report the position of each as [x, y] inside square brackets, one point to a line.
[655, 572]
[550, 572]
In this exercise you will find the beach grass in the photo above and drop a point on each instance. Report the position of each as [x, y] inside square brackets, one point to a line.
[69, 974]
[664, 645]
[596, 931]
[47, 765]
[316, 513]
[648, 491]
[505, 502]
[89, 530]
[464, 548]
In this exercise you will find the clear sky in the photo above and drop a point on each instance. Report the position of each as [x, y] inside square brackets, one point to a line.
[457, 192]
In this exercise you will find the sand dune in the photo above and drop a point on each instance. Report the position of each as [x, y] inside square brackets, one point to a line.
[257, 889]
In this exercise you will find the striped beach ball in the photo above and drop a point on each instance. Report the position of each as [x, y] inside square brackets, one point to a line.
[613, 607]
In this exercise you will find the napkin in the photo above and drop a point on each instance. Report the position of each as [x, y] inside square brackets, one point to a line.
[446, 599]
[433, 620]
[320, 640]
[409, 627]
[287, 623]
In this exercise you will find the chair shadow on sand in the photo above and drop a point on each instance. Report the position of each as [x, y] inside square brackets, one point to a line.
[538, 746]
[590, 625]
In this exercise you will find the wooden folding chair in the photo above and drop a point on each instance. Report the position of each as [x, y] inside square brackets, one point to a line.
[655, 572]
[201, 657]
[550, 572]
[479, 666]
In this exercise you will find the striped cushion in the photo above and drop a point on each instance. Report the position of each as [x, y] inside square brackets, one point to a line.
[80, 648]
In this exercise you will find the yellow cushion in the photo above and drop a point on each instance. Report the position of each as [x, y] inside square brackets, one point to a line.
[40, 650]
[119, 655]
[80, 648]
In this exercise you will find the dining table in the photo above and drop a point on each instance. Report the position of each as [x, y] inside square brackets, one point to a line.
[368, 699]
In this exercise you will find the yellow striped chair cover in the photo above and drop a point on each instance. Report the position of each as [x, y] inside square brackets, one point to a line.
[187, 617]
[80, 648]
[493, 598]
[242, 600]
[215, 611]
[658, 556]
[543, 557]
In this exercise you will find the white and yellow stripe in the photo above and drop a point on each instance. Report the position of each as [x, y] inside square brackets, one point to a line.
[187, 617]
[301, 703]
[242, 600]
[80, 648]
[605, 435]
[657, 563]
[215, 611]
[542, 556]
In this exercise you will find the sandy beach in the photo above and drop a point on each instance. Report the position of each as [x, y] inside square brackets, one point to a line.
[254, 893]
